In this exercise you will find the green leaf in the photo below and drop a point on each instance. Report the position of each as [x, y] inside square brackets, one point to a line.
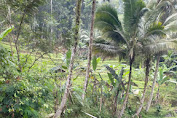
[172, 81]
[64, 67]
[106, 20]
[111, 79]
[132, 14]
[98, 60]
[7, 31]
[160, 74]
[164, 80]
[94, 63]
[68, 57]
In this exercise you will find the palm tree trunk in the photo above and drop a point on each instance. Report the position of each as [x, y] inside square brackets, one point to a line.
[68, 82]
[145, 86]
[128, 87]
[153, 85]
[90, 49]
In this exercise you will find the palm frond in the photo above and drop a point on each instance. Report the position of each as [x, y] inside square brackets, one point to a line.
[160, 46]
[163, 3]
[151, 4]
[108, 50]
[170, 19]
[154, 4]
[143, 11]
[107, 21]
[108, 11]
[171, 27]
[155, 29]
[132, 14]
[159, 11]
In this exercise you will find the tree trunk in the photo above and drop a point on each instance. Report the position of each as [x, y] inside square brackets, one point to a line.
[157, 95]
[145, 86]
[101, 99]
[51, 7]
[128, 87]
[90, 49]
[10, 23]
[153, 85]
[51, 12]
[68, 82]
[16, 41]
[56, 101]
[115, 102]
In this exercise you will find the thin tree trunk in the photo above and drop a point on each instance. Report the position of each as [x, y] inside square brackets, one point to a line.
[115, 102]
[90, 49]
[51, 7]
[145, 86]
[101, 99]
[157, 95]
[56, 100]
[128, 87]
[16, 41]
[36, 59]
[94, 92]
[68, 82]
[10, 42]
[51, 11]
[10, 23]
[153, 85]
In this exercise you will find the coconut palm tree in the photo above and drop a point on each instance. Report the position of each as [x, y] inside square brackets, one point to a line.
[129, 38]
[123, 34]
[161, 26]
[160, 48]
[167, 12]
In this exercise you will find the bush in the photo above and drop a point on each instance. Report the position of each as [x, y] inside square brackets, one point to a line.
[22, 94]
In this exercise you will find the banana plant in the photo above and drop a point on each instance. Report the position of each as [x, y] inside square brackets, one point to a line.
[118, 85]
[161, 80]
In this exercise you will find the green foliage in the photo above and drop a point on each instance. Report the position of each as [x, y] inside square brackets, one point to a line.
[25, 5]
[25, 97]
[67, 40]
[95, 62]
[113, 72]
[132, 15]
[33, 94]
[22, 95]
[8, 66]
[68, 57]
[6, 32]
[111, 79]
[108, 22]
[162, 78]
[156, 28]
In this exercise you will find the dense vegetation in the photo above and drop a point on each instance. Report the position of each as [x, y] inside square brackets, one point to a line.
[88, 58]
